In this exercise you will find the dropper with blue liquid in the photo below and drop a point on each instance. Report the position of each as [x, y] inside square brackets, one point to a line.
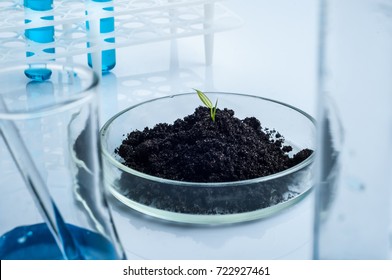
[46, 35]
[106, 26]
[39, 35]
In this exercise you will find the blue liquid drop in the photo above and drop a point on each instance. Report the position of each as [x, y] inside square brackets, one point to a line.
[35, 242]
[38, 74]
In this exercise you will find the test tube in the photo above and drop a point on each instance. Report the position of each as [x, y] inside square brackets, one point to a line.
[106, 26]
[39, 35]
[353, 210]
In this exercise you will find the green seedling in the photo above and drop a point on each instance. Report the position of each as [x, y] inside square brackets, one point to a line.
[206, 101]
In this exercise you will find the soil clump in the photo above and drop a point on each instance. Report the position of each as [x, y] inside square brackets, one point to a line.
[197, 149]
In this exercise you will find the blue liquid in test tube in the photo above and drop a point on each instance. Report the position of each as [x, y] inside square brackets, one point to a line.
[35, 242]
[106, 26]
[40, 35]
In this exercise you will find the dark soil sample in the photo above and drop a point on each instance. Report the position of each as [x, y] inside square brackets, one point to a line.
[197, 149]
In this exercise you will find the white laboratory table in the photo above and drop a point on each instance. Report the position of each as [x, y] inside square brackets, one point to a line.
[274, 55]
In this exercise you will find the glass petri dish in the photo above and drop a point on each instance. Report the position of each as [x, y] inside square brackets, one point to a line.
[209, 203]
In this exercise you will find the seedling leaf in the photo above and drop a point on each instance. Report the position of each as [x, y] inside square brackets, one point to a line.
[206, 101]
[204, 98]
[213, 112]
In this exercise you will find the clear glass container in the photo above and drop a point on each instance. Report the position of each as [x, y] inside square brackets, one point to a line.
[52, 201]
[354, 182]
[215, 203]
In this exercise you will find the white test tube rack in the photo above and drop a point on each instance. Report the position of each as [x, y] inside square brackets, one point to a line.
[136, 22]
